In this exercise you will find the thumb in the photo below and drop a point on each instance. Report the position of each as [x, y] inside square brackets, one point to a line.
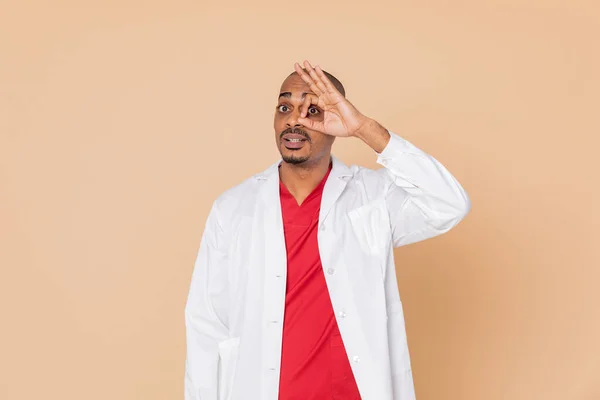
[311, 124]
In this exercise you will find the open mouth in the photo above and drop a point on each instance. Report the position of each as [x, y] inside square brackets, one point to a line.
[294, 141]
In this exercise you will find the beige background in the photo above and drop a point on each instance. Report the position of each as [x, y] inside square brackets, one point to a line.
[121, 121]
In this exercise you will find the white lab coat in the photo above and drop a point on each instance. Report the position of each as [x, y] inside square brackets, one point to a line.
[235, 307]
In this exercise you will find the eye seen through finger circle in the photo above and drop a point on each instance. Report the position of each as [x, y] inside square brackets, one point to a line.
[313, 110]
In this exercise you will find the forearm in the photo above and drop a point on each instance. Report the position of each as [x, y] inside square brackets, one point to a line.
[423, 197]
[421, 175]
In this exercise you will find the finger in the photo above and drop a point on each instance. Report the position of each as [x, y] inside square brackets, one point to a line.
[329, 86]
[306, 78]
[308, 123]
[298, 69]
[308, 100]
[315, 77]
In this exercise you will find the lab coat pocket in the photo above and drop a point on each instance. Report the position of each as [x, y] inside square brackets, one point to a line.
[370, 223]
[228, 355]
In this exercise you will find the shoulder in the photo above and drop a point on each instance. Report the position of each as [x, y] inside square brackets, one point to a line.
[368, 174]
[241, 198]
[372, 182]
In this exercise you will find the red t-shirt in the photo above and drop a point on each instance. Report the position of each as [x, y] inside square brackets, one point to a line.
[314, 364]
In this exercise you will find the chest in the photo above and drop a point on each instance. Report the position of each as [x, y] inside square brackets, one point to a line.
[353, 239]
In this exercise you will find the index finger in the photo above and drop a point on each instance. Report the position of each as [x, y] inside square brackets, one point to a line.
[308, 100]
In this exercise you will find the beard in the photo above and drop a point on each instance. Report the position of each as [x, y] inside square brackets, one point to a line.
[294, 160]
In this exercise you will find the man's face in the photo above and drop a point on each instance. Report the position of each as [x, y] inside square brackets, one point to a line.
[297, 144]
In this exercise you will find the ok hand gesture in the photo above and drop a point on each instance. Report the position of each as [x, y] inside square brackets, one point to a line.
[340, 117]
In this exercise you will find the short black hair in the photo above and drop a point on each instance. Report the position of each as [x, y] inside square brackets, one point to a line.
[335, 81]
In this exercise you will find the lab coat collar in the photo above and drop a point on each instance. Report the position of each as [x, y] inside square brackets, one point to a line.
[338, 178]
[338, 170]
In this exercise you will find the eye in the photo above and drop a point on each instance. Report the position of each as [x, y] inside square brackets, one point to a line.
[313, 110]
[282, 108]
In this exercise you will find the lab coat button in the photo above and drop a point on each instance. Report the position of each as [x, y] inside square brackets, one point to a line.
[342, 314]
[330, 271]
[356, 359]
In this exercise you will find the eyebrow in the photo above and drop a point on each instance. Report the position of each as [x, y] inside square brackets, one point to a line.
[288, 95]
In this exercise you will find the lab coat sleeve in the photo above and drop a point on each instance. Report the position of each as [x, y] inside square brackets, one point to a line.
[206, 312]
[423, 198]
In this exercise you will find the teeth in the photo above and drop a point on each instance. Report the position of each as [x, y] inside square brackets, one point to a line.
[295, 140]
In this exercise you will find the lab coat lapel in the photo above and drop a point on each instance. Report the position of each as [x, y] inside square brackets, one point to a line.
[273, 221]
[272, 227]
[338, 178]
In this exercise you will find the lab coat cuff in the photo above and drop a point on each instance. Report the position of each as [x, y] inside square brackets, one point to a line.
[395, 148]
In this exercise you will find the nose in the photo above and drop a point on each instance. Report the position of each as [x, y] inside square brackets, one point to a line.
[293, 119]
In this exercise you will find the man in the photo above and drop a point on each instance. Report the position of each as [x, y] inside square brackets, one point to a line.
[294, 293]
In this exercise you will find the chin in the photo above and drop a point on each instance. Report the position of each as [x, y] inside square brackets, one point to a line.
[294, 158]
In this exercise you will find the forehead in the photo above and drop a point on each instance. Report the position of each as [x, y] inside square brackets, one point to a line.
[295, 85]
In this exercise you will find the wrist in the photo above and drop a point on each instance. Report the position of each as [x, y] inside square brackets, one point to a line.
[373, 134]
[365, 125]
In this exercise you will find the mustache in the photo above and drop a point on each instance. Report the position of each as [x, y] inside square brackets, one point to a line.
[296, 131]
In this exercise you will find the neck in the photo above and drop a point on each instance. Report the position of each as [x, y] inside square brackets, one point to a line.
[300, 180]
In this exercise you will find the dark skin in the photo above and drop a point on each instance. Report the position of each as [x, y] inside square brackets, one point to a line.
[311, 112]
